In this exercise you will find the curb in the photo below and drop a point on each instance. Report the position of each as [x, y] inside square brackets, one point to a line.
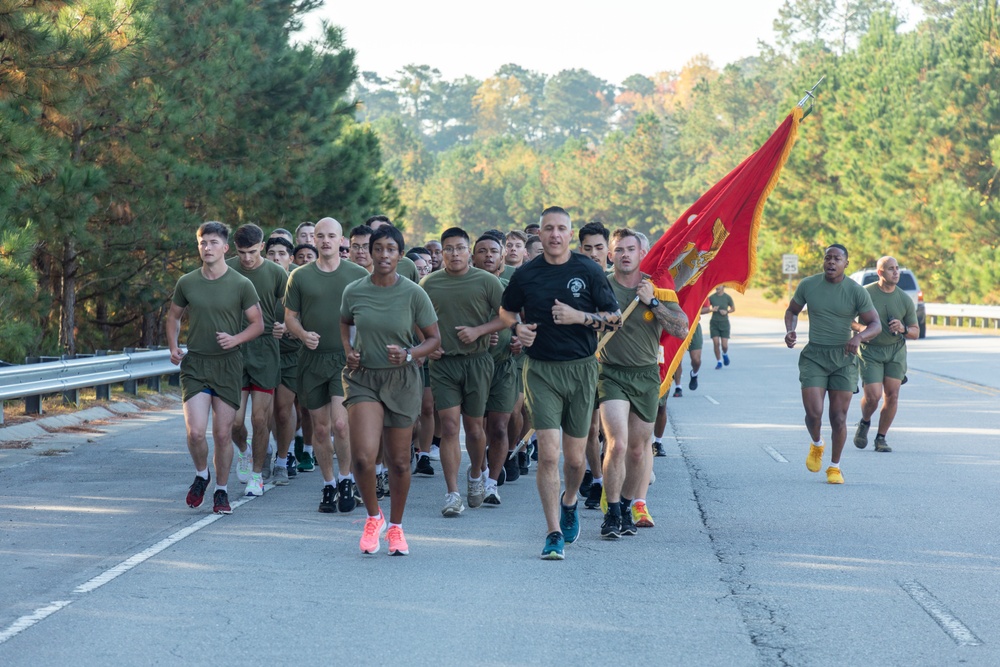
[115, 409]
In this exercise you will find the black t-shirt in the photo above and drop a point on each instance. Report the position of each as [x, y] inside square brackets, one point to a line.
[579, 283]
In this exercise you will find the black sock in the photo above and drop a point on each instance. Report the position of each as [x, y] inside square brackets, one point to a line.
[880, 435]
[435, 441]
[615, 509]
[625, 504]
[865, 423]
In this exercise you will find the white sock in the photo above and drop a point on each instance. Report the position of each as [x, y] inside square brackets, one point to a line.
[330, 482]
[379, 468]
[307, 449]
[693, 374]
[599, 480]
[202, 473]
[395, 525]
[221, 488]
[475, 479]
[818, 443]
[491, 483]
[834, 465]
[637, 500]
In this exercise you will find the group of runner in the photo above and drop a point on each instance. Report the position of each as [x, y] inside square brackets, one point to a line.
[380, 357]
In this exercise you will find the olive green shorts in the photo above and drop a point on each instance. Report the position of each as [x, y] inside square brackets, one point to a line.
[503, 389]
[697, 339]
[290, 370]
[519, 361]
[718, 329]
[217, 374]
[462, 380]
[882, 361]
[261, 363]
[827, 366]
[639, 385]
[398, 389]
[319, 377]
[560, 394]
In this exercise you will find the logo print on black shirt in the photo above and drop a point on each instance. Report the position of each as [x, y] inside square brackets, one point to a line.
[576, 285]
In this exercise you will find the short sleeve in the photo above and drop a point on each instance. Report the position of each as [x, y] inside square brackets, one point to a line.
[910, 316]
[800, 293]
[423, 309]
[248, 295]
[179, 297]
[293, 301]
[345, 304]
[864, 301]
[494, 292]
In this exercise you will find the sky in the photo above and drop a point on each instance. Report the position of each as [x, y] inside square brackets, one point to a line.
[610, 39]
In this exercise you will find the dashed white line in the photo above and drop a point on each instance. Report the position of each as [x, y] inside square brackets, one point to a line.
[955, 629]
[25, 622]
[40, 614]
[711, 400]
[775, 454]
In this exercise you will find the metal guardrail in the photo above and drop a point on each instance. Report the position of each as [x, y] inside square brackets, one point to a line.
[33, 380]
[985, 317]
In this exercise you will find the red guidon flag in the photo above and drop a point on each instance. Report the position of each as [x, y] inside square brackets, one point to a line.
[714, 242]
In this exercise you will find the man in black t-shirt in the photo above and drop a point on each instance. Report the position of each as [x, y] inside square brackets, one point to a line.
[555, 303]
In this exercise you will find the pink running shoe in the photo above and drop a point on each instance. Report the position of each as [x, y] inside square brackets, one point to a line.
[374, 527]
[397, 542]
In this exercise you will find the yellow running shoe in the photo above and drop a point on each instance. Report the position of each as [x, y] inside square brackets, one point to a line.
[833, 476]
[604, 499]
[815, 459]
[640, 515]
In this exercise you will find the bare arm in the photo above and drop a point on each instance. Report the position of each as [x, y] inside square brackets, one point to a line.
[599, 321]
[525, 333]
[873, 327]
[309, 338]
[673, 322]
[255, 327]
[791, 321]
[173, 332]
[470, 334]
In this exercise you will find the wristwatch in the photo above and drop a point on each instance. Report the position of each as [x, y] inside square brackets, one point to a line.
[654, 302]
[409, 356]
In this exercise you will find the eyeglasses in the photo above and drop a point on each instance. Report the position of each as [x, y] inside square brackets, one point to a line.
[452, 250]
[357, 248]
[344, 249]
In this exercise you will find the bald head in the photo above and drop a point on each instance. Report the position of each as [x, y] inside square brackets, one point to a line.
[328, 235]
[888, 272]
[882, 261]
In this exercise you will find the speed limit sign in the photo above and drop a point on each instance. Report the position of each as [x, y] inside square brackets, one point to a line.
[789, 264]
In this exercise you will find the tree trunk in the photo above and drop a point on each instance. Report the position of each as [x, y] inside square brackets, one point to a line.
[67, 313]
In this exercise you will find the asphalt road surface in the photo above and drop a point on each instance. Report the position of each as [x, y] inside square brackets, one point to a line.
[753, 560]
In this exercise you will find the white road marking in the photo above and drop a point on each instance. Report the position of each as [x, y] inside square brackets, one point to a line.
[40, 614]
[775, 454]
[711, 400]
[25, 622]
[955, 629]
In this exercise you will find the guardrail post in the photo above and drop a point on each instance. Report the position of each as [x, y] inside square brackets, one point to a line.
[154, 381]
[103, 391]
[131, 386]
[71, 396]
[32, 404]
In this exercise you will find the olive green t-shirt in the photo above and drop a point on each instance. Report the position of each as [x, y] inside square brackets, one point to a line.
[721, 301]
[507, 272]
[385, 316]
[501, 351]
[213, 306]
[286, 344]
[637, 343]
[832, 307]
[315, 295]
[408, 269]
[269, 280]
[471, 299]
[894, 306]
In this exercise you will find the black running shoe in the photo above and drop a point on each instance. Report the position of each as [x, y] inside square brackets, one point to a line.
[693, 384]
[512, 468]
[628, 525]
[424, 466]
[658, 448]
[329, 503]
[345, 496]
[196, 492]
[523, 462]
[587, 483]
[593, 501]
[292, 465]
[220, 502]
[611, 529]
[881, 445]
[677, 392]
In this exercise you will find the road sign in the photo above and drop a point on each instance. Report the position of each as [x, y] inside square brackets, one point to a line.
[789, 264]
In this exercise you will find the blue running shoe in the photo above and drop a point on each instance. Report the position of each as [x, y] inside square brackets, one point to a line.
[553, 549]
[725, 359]
[569, 523]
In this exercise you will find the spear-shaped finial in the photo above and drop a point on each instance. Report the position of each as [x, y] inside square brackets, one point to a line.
[810, 96]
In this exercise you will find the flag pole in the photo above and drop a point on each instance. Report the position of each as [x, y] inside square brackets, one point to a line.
[809, 97]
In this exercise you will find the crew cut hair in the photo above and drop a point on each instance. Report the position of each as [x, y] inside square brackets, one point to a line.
[553, 209]
[214, 227]
[248, 235]
[452, 232]
[360, 230]
[837, 245]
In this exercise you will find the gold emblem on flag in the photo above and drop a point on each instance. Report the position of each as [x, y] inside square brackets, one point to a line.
[691, 262]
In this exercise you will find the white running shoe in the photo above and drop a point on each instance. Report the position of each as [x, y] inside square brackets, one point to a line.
[492, 495]
[255, 487]
[452, 504]
[477, 492]
[435, 453]
[244, 464]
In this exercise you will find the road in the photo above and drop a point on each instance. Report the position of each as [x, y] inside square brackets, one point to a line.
[754, 561]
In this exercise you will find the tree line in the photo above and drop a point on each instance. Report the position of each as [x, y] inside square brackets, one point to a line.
[900, 155]
[125, 123]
